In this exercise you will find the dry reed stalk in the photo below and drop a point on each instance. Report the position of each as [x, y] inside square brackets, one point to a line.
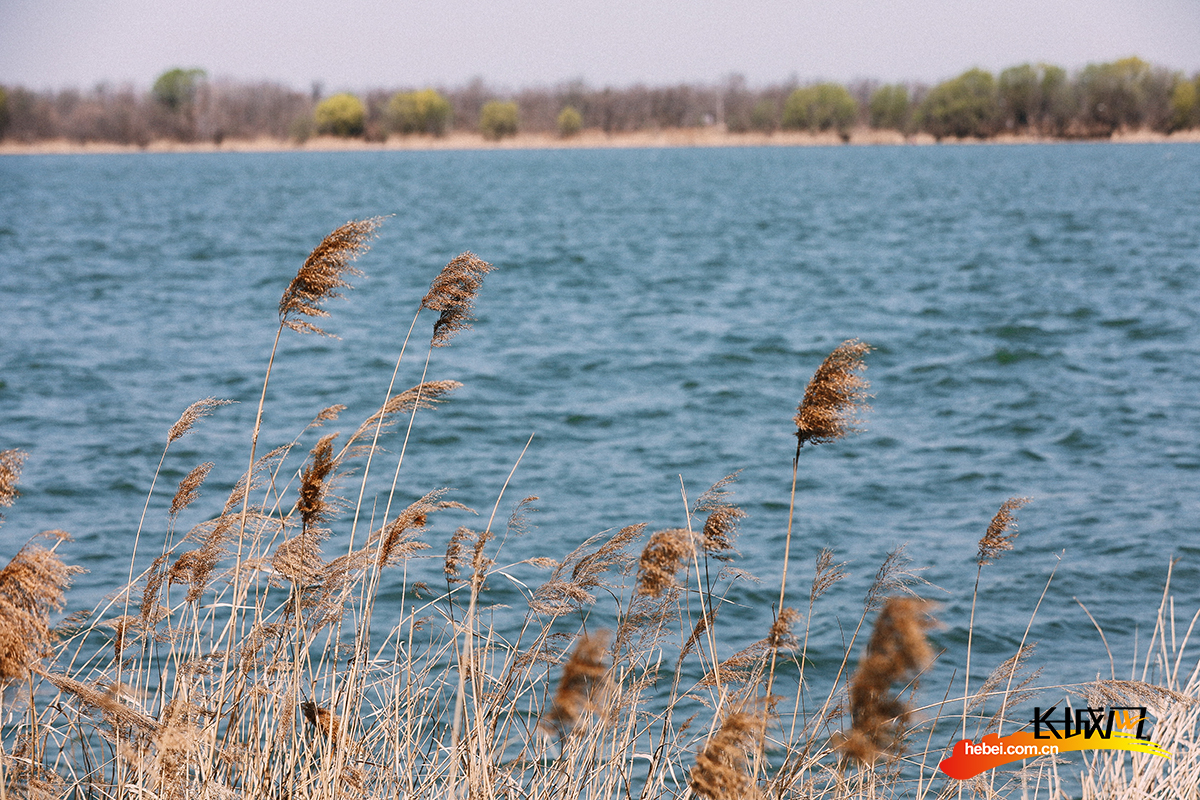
[177, 737]
[583, 684]
[833, 400]
[182, 426]
[320, 277]
[721, 770]
[323, 274]
[997, 539]
[32, 585]
[826, 575]
[897, 651]
[109, 702]
[453, 294]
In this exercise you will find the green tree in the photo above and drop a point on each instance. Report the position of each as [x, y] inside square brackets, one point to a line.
[1128, 93]
[1058, 106]
[3, 111]
[1035, 97]
[176, 88]
[570, 122]
[964, 106]
[764, 116]
[890, 108]
[340, 115]
[425, 111]
[819, 108]
[498, 119]
[1020, 95]
[1185, 105]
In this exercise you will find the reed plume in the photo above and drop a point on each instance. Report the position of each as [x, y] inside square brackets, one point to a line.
[664, 554]
[456, 554]
[189, 488]
[315, 504]
[826, 575]
[721, 769]
[781, 634]
[563, 593]
[10, 473]
[1017, 679]
[720, 531]
[581, 686]
[834, 397]
[328, 414]
[893, 575]
[323, 274]
[425, 395]
[193, 414]
[1001, 531]
[897, 651]
[397, 540]
[32, 585]
[748, 663]
[108, 700]
[453, 294]
[299, 559]
[149, 610]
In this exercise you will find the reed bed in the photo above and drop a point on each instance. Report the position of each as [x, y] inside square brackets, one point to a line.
[246, 658]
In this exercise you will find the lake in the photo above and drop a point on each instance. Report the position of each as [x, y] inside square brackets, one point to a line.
[653, 319]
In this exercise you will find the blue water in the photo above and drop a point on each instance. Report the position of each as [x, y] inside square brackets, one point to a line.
[654, 314]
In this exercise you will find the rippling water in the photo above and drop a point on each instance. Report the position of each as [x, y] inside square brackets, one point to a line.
[654, 314]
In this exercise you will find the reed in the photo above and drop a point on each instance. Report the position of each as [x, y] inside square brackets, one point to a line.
[245, 660]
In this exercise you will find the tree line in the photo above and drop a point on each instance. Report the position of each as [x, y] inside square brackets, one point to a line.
[1042, 99]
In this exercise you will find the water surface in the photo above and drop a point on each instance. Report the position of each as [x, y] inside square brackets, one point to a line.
[655, 314]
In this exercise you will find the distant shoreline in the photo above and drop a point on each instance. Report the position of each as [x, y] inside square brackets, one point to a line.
[588, 139]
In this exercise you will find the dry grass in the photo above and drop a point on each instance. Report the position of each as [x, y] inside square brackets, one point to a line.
[244, 660]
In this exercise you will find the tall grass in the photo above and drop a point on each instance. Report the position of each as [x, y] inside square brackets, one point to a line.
[244, 659]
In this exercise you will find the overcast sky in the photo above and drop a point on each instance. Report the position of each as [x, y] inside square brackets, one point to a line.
[357, 45]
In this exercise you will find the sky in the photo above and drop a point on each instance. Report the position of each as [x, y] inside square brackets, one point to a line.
[356, 45]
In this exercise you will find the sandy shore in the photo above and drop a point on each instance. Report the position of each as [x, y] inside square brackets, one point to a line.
[679, 137]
